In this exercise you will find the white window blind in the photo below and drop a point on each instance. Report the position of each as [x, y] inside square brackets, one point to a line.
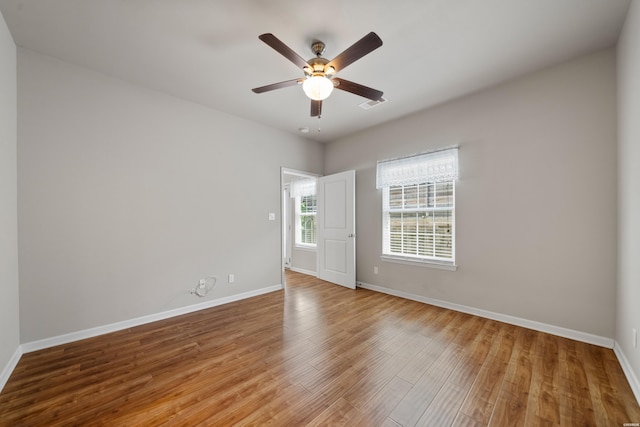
[418, 207]
[438, 166]
[303, 187]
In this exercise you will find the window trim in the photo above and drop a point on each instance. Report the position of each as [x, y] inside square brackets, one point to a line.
[420, 262]
[306, 246]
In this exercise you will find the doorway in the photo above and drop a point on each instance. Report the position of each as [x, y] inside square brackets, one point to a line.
[318, 225]
[296, 256]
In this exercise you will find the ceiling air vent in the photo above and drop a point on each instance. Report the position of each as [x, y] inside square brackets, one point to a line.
[370, 104]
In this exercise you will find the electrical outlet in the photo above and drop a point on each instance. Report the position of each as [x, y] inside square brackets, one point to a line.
[232, 278]
[375, 270]
[202, 283]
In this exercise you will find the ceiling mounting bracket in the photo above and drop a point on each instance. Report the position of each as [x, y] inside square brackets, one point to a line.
[317, 47]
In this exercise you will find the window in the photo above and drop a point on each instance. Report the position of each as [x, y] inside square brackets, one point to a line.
[303, 191]
[418, 220]
[418, 207]
[306, 221]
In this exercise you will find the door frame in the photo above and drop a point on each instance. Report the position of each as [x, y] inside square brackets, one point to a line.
[287, 226]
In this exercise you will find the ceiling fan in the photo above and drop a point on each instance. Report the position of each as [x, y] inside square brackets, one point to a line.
[318, 81]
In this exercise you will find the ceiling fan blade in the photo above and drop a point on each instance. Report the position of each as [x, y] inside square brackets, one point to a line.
[358, 89]
[362, 47]
[316, 108]
[283, 49]
[275, 86]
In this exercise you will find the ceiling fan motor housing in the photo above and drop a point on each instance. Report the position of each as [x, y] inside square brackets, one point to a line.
[317, 66]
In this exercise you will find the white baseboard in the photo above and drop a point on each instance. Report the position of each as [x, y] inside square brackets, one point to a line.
[628, 371]
[8, 369]
[303, 271]
[525, 323]
[118, 326]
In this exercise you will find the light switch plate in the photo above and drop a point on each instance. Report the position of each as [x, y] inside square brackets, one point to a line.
[272, 216]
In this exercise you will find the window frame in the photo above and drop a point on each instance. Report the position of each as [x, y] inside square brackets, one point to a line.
[431, 167]
[298, 214]
[416, 259]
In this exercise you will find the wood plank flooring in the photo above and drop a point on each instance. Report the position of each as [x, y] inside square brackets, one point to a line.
[318, 354]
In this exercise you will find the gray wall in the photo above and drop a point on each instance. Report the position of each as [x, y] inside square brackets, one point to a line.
[9, 318]
[628, 313]
[536, 228]
[129, 196]
[304, 260]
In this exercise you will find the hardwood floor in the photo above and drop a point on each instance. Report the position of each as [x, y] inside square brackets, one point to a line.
[319, 354]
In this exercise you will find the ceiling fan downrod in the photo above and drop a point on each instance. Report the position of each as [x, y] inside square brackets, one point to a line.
[317, 47]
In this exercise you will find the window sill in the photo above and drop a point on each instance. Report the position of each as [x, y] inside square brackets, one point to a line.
[420, 262]
[305, 248]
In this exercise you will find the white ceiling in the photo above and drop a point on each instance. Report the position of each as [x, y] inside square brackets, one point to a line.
[208, 51]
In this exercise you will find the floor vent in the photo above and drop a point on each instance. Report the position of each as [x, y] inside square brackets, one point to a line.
[370, 104]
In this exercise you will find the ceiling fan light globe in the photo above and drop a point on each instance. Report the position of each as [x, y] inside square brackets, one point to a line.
[317, 87]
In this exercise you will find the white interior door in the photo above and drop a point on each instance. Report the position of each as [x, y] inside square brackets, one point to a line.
[336, 228]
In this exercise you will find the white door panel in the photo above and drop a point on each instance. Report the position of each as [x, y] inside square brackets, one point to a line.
[335, 227]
